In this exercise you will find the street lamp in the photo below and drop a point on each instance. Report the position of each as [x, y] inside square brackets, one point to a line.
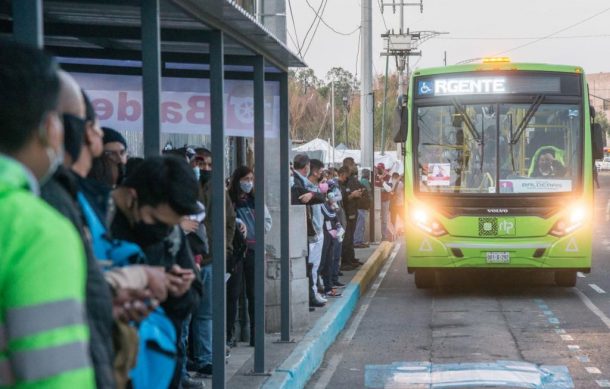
[346, 106]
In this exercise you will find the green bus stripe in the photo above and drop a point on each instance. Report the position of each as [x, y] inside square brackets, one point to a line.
[33, 319]
[6, 374]
[33, 365]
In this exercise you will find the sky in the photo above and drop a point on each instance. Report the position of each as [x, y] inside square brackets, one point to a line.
[477, 28]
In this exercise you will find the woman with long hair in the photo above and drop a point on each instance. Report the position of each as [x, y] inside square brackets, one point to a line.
[241, 192]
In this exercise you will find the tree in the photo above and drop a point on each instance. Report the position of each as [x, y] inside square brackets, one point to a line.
[602, 119]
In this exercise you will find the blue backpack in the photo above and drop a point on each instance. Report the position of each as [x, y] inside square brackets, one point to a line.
[119, 252]
[157, 350]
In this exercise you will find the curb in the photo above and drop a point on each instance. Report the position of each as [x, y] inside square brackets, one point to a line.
[305, 359]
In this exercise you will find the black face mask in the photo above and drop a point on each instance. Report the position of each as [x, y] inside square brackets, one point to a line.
[148, 234]
[74, 132]
[205, 176]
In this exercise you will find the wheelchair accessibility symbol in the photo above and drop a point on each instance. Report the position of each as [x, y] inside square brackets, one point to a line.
[425, 88]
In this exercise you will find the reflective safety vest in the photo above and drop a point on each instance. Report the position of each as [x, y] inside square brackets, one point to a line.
[44, 339]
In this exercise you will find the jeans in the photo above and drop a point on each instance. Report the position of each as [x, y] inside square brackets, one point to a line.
[202, 322]
[385, 215]
[249, 263]
[184, 335]
[336, 261]
[360, 224]
[348, 255]
[328, 260]
[234, 289]
[315, 255]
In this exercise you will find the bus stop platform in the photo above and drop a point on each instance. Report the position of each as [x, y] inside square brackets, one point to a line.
[291, 364]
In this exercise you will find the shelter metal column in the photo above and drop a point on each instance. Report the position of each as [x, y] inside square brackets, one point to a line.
[219, 250]
[285, 206]
[259, 206]
[151, 77]
[27, 22]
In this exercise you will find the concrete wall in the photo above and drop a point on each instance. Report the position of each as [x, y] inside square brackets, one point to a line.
[299, 283]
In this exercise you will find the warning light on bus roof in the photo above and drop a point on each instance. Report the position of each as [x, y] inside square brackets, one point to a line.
[496, 60]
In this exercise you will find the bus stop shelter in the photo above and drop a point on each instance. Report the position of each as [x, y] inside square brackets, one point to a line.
[154, 40]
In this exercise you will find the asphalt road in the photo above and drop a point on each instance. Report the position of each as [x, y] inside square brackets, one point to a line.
[476, 321]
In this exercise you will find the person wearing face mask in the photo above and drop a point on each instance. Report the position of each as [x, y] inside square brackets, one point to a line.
[150, 204]
[115, 151]
[303, 192]
[241, 192]
[202, 317]
[316, 241]
[40, 298]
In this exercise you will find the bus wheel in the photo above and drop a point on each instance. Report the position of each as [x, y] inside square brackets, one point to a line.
[565, 278]
[424, 279]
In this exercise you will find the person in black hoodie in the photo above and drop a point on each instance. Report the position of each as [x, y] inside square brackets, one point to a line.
[149, 206]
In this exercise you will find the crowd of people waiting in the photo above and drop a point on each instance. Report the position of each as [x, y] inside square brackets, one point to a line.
[105, 264]
[337, 206]
[105, 267]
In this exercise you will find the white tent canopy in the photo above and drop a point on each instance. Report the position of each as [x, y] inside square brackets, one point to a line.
[320, 146]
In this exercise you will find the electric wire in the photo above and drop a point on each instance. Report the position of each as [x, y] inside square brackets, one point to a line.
[319, 12]
[555, 33]
[526, 38]
[294, 26]
[327, 25]
[316, 29]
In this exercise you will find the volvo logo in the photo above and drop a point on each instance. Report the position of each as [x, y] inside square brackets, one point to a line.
[497, 210]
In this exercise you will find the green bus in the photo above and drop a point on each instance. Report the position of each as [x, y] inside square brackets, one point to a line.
[499, 161]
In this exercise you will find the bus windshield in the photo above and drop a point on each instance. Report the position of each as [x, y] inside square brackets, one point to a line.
[498, 148]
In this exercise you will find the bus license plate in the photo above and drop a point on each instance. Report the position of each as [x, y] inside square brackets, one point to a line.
[498, 257]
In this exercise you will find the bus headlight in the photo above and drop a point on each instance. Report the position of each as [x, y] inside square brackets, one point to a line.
[424, 221]
[571, 221]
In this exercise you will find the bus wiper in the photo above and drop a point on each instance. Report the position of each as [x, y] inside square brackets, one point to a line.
[526, 119]
[475, 134]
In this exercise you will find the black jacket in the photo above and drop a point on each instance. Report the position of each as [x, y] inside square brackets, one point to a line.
[298, 189]
[352, 205]
[60, 192]
[174, 249]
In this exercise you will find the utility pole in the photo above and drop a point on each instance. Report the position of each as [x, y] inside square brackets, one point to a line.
[366, 88]
[332, 113]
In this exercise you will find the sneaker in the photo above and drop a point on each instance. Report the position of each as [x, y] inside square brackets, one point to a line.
[315, 304]
[339, 284]
[333, 293]
[340, 274]
[320, 298]
[205, 371]
[188, 382]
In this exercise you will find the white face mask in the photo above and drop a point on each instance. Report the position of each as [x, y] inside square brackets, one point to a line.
[197, 172]
[55, 160]
[246, 186]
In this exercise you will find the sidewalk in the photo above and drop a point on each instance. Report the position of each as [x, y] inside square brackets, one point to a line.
[290, 365]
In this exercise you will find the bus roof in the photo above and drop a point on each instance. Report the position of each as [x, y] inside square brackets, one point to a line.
[497, 66]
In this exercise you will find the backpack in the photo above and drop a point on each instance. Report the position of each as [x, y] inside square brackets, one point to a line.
[119, 252]
[157, 349]
[157, 352]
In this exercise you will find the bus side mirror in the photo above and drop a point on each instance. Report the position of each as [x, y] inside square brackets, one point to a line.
[598, 137]
[401, 120]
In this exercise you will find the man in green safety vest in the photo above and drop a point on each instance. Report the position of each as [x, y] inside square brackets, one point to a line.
[43, 334]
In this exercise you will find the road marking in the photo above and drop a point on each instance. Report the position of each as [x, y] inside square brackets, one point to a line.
[581, 275]
[603, 383]
[335, 360]
[327, 374]
[583, 359]
[560, 331]
[592, 307]
[597, 289]
[573, 347]
[593, 370]
[567, 337]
